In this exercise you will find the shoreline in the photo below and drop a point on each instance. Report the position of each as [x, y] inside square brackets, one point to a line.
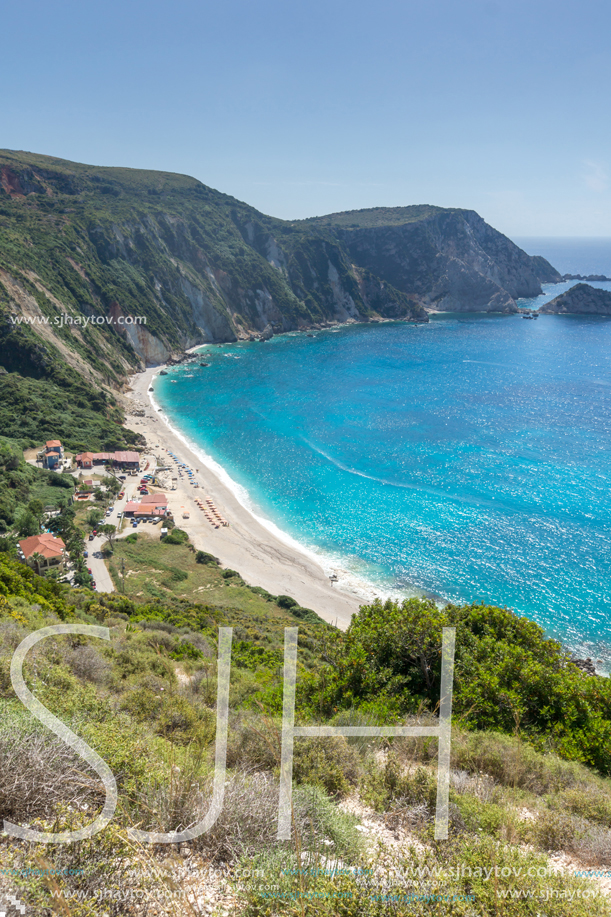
[249, 544]
[255, 547]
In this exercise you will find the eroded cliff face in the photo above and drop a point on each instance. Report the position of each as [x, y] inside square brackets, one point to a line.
[196, 266]
[582, 299]
[450, 261]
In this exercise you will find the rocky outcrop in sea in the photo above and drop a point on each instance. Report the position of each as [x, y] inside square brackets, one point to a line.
[582, 299]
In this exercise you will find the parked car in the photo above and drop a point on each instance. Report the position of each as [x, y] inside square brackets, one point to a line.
[122, 477]
[89, 570]
[91, 537]
[85, 554]
[93, 584]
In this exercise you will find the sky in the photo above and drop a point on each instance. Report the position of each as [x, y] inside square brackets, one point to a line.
[306, 107]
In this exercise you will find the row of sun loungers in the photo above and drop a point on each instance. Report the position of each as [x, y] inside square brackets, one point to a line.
[211, 513]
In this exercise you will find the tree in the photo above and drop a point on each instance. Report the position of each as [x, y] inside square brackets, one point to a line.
[111, 484]
[8, 545]
[37, 558]
[36, 508]
[63, 525]
[27, 524]
[94, 517]
[110, 531]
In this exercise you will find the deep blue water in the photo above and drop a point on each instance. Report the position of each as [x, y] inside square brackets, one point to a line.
[468, 458]
[572, 256]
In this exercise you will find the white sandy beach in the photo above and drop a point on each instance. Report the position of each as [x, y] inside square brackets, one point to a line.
[245, 545]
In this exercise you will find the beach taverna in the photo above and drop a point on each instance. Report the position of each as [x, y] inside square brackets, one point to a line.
[128, 461]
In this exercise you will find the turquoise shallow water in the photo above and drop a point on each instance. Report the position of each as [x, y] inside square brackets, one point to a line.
[468, 458]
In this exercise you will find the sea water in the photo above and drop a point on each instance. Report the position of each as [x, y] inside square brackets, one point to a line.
[467, 459]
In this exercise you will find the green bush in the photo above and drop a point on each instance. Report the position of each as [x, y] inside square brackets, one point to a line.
[176, 536]
[508, 675]
[304, 614]
[230, 574]
[329, 763]
[285, 601]
[253, 743]
[259, 590]
[202, 557]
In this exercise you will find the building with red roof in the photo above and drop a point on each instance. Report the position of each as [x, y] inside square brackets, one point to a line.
[150, 505]
[129, 461]
[157, 499]
[42, 552]
[53, 453]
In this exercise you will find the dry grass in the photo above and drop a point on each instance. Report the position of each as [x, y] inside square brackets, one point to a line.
[39, 773]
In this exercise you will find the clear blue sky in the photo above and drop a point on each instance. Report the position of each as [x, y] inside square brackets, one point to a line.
[304, 107]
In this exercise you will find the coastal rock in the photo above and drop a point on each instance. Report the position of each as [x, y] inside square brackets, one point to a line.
[588, 277]
[267, 334]
[582, 299]
[176, 359]
[586, 665]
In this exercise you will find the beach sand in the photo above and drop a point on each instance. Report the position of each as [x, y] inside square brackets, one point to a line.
[245, 545]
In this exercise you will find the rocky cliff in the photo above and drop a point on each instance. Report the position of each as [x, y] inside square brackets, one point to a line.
[118, 268]
[582, 299]
[450, 260]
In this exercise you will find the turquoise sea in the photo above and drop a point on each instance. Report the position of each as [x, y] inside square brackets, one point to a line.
[468, 458]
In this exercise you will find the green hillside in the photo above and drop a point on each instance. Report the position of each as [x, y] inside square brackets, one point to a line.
[525, 721]
[185, 264]
[377, 216]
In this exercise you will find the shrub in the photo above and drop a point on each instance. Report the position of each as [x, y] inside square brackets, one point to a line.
[176, 536]
[143, 703]
[202, 557]
[198, 640]
[507, 673]
[175, 576]
[185, 650]
[253, 744]
[285, 601]
[37, 774]
[259, 590]
[152, 624]
[229, 574]
[329, 763]
[304, 614]
[512, 762]
[181, 722]
[87, 664]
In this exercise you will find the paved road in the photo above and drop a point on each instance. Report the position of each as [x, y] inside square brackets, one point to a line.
[103, 580]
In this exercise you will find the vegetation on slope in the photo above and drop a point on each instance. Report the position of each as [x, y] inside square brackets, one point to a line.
[146, 703]
[377, 216]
